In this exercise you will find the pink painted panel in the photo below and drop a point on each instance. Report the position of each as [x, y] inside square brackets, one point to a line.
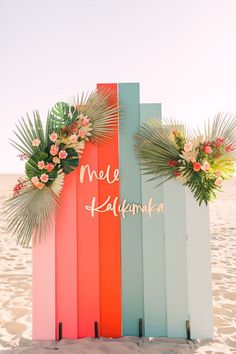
[88, 245]
[66, 259]
[44, 288]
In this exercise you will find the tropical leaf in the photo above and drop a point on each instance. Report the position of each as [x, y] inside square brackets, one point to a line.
[71, 162]
[26, 132]
[103, 113]
[58, 117]
[31, 166]
[30, 214]
[155, 146]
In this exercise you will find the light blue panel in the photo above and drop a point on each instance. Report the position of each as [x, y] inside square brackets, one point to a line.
[153, 249]
[176, 259]
[131, 226]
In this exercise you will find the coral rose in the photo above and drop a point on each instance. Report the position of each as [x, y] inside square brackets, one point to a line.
[53, 137]
[217, 173]
[41, 165]
[207, 149]
[73, 139]
[44, 177]
[40, 185]
[49, 167]
[63, 154]
[54, 150]
[196, 166]
[218, 182]
[56, 160]
[36, 142]
[206, 166]
[35, 180]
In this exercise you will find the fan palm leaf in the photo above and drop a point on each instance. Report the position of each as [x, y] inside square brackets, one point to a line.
[30, 213]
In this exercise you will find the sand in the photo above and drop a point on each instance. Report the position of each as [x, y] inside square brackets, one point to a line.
[16, 286]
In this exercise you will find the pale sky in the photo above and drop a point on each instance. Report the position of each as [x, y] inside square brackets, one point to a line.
[181, 51]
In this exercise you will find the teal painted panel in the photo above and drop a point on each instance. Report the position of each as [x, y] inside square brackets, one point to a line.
[131, 226]
[153, 249]
[176, 259]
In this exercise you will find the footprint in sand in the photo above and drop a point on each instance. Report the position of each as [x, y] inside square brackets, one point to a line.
[15, 327]
[230, 295]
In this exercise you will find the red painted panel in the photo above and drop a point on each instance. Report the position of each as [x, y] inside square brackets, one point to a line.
[88, 244]
[109, 237]
[66, 258]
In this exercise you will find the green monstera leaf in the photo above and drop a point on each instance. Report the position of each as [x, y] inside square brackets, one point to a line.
[31, 166]
[61, 114]
[71, 162]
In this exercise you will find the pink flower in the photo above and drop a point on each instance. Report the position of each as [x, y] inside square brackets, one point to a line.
[40, 185]
[229, 148]
[217, 173]
[53, 137]
[41, 165]
[49, 167]
[196, 166]
[54, 150]
[36, 142]
[177, 173]
[81, 133]
[192, 159]
[206, 166]
[35, 180]
[63, 154]
[56, 160]
[44, 177]
[188, 147]
[207, 149]
[85, 121]
[73, 138]
[172, 163]
[218, 182]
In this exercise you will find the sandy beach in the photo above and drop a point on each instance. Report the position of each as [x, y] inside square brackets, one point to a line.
[16, 290]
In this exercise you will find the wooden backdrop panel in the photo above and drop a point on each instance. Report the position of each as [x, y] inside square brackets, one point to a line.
[154, 280]
[131, 226]
[88, 245]
[109, 235]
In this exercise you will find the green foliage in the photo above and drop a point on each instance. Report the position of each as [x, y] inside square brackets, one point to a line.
[103, 114]
[30, 214]
[160, 149]
[26, 132]
[71, 162]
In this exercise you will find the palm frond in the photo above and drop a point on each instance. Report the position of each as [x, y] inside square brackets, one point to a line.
[28, 131]
[222, 126]
[155, 146]
[30, 213]
[102, 112]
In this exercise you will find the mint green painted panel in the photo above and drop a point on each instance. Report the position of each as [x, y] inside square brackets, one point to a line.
[176, 259]
[131, 226]
[153, 249]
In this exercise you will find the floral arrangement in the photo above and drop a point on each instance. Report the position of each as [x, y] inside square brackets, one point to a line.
[201, 161]
[51, 154]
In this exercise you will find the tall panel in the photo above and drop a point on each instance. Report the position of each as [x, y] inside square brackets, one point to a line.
[88, 244]
[131, 226]
[176, 259]
[153, 248]
[109, 235]
[199, 268]
[43, 310]
[66, 258]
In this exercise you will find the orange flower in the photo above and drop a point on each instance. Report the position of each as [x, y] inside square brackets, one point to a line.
[196, 166]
